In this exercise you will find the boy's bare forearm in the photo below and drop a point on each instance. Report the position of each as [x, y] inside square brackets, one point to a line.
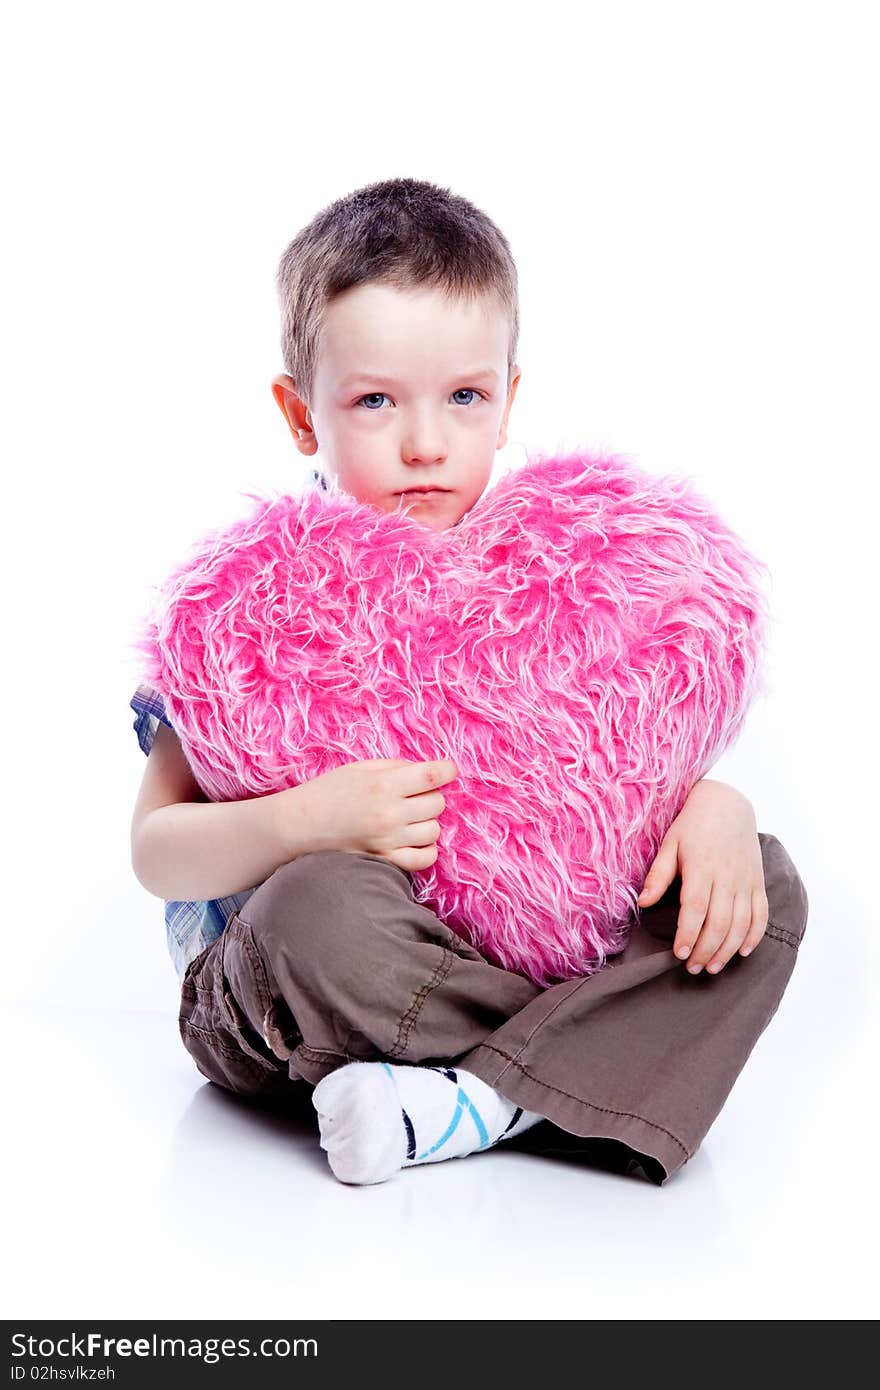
[198, 850]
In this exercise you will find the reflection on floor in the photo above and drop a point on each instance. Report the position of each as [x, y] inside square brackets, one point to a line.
[141, 1190]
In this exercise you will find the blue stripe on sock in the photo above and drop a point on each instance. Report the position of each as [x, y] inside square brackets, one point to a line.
[407, 1122]
[463, 1101]
[477, 1119]
[474, 1112]
[453, 1125]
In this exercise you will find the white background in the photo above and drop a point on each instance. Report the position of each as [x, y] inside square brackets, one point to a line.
[687, 190]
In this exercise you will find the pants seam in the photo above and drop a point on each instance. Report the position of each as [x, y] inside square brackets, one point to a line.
[790, 938]
[408, 1021]
[544, 1017]
[778, 933]
[321, 1055]
[258, 969]
[603, 1109]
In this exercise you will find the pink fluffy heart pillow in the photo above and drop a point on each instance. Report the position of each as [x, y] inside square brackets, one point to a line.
[585, 643]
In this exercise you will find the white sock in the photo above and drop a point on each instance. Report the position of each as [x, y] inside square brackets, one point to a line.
[375, 1118]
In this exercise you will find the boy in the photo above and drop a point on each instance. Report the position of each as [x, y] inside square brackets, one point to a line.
[400, 326]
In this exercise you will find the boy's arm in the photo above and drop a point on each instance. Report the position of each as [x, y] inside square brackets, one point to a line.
[186, 848]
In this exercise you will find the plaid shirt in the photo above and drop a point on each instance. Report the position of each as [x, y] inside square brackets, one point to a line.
[189, 927]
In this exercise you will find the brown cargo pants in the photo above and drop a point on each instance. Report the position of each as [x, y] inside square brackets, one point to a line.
[335, 962]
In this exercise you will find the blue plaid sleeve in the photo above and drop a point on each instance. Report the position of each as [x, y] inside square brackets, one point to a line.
[149, 709]
[190, 927]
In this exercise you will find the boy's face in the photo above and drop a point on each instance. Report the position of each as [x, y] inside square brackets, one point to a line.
[410, 391]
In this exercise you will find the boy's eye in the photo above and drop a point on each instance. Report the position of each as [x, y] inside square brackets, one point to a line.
[380, 396]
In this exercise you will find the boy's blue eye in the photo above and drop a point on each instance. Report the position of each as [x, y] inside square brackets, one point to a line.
[380, 395]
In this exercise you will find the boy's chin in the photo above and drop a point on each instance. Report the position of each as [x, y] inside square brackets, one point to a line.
[432, 517]
[437, 523]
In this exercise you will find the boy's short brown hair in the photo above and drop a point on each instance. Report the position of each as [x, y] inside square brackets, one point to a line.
[400, 232]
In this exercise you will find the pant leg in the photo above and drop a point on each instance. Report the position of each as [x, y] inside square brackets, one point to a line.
[336, 962]
[644, 1052]
[215, 1030]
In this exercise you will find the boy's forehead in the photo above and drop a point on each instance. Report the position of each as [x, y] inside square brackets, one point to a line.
[379, 329]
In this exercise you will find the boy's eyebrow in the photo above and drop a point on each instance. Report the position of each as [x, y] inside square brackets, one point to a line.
[478, 373]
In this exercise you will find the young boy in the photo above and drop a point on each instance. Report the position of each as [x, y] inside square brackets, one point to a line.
[291, 918]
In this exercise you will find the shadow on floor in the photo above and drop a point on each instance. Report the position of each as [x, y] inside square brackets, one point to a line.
[610, 1155]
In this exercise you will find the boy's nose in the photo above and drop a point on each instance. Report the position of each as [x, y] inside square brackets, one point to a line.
[423, 443]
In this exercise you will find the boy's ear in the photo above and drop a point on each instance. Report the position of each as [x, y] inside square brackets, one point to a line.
[295, 412]
[502, 428]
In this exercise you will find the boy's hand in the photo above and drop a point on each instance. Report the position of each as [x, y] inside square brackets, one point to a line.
[383, 806]
[713, 844]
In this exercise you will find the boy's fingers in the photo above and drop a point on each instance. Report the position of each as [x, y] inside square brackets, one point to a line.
[760, 917]
[661, 873]
[694, 904]
[715, 928]
[742, 917]
[444, 769]
[419, 777]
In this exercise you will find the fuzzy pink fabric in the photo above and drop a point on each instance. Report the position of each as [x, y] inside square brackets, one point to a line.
[585, 643]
